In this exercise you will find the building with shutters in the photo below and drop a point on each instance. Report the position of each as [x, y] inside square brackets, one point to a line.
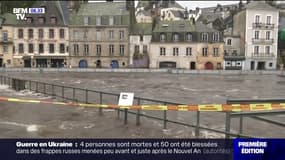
[99, 35]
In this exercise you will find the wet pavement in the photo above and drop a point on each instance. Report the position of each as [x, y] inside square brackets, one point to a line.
[32, 120]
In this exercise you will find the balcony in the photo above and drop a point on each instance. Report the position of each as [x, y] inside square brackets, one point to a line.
[6, 40]
[262, 41]
[263, 55]
[262, 26]
[234, 56]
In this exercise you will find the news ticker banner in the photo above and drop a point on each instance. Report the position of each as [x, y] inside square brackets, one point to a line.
[116, 149]
[194, 107]
[142, 149]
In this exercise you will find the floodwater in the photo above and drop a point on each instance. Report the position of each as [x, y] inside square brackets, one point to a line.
[33, 120]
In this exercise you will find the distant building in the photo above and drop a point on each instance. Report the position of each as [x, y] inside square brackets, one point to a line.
[42, 40]
[99, 35]
[257, 26]
[140, 38]
[186, 44]
[143, 16]
[6, 40]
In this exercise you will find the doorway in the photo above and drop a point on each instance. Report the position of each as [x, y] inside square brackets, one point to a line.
[27, 63]
[260, 65]
[209, 66]
[1, 62]
[83, 64]
[192, 65]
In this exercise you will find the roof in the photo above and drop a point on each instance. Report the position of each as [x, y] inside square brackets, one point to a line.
[142, 29]
[52, 10]
[142, 3]
[103, 8]
[200, 27]
[259, 5]
[144, 12]
[177, 13]
[63, 8]
[8, 19]
[174, 26]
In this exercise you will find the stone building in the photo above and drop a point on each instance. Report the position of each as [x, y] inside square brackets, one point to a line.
[257, 26]
[42, 39]
[173, 45]
[6, 39]
[99, 35]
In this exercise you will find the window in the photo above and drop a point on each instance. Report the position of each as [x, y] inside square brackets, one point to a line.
[229, 42]
[256, 49]
[141, 38]
[122, 50]
[162, 51]
[75, 49]
[162, 37]
[41, 34]
[98, 49]
[21, 48]
[216, 37]
[61, 33]
[267, 36]
[85, 34]
[75, 35]
[53, 20]
[98, 35]
[5, 36]
[137, 49]
[257, 19]
[235, 52]
[51, 33]
[111, 49]
[175, 37]
[31, 48]
[270, 64]
[5, 48]
[29, 19]
[268, 19]
[86, 21]
[188, 37]
[51, 48]
[20, 33]
[216, 52]
[204, 52]
[111, 20]
[41, 48]
[144, 48]
[86, 49]
[111, 34]
[175, 51]
[204, 36]
[30, 33]
[41, 20]
[256, 35]
[267, 50]
[188, 51]
[122, 35]
[98, 20]
[61, 48]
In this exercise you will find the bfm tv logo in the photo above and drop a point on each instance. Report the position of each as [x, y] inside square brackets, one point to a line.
[21, 12]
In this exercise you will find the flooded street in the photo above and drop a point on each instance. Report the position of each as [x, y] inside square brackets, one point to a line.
[34, 120]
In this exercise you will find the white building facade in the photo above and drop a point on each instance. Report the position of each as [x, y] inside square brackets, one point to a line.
[261, 36]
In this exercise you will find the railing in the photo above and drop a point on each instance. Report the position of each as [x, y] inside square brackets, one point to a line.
[84, 95]
[234, 55]
[262, 41]
[263, 55]
[254, 115]
[263, 25]
[6, 40]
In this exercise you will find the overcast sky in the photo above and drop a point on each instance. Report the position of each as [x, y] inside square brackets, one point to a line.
[193, 4]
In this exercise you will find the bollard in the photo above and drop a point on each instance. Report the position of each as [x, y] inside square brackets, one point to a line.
[164, 119]
[86, 96]
[62, 92]
[197, 129]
